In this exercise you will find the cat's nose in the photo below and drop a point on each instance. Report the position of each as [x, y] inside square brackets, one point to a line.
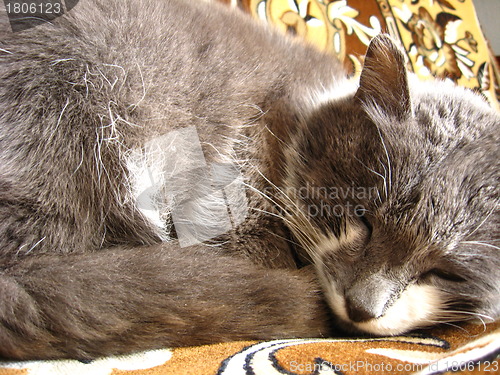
[357, 312]
[369, 296]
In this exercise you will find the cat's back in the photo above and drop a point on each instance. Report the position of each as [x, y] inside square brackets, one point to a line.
[81, 92]
[199, 63]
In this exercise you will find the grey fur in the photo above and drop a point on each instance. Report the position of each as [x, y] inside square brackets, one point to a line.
[84, 274]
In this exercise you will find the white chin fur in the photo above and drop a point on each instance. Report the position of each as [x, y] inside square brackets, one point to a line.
[418, 306]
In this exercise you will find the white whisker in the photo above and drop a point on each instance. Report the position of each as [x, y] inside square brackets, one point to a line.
[482, 222]
[35, 245]
[134, 106]
[480, 243]
[81, 162]
[388, 180]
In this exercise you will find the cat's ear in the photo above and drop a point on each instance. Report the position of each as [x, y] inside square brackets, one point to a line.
[384, 80]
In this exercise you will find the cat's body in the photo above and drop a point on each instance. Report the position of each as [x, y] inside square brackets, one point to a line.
[393, 197]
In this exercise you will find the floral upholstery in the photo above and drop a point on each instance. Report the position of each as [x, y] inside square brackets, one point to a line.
[442, 38]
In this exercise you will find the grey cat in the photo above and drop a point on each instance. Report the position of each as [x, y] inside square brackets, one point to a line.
[370, 207]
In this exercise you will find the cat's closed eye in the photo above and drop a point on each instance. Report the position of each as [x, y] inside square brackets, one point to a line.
[443, 274]
[361, 213]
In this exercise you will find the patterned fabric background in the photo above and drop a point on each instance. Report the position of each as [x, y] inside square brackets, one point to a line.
[442, 38]
[470, 349]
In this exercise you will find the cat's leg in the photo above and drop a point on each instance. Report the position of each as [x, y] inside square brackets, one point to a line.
[127, 299]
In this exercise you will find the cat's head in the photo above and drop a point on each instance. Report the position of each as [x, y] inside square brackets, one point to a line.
[395, 196]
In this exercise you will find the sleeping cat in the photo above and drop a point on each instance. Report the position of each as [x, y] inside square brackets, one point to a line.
[172, 173]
